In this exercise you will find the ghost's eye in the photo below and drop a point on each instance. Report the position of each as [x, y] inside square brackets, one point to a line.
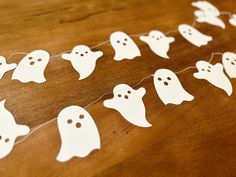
[129, 92]
[209, 67]
[119, 95]
[78, 125]
[86, 52]
[118, 41]
[126, 39]
[30, 58]
[69, 121]
[159, 79]
[168, 78]
[232, 63]
[39, 59]
[81, 55]
[184, 32]
[203, 69]
[7, 140]
[235, 60]
[81, 116]
[0, 137]
[0, 63]
[161, 37]
[153, 36]
[76, 52]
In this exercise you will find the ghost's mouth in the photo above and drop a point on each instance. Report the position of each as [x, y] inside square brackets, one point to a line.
[32, 63]
[126, 97]
[166, 83]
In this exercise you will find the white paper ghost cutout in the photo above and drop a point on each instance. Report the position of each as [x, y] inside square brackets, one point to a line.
[193, 35]
[229, 62]
[232, 20]
[83, 60]
[203, 17]
[31, 67]
[169, 88]
[128, 102]
[158, 43]
[4, 67]
[78, 132]
[9, 130]
[124, 46]
[213, 74]
[207, 7]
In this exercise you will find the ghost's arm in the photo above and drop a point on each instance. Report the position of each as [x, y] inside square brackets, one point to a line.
[142, 91]
[11, 66]
[199, 19]
[143, 38]
[198, 75]
[219, 66]
[171, 39]
[22, 130]
[66, 56]
[98, 54]
[109, 103]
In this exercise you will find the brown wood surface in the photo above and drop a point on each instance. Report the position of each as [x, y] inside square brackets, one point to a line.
[194, 139]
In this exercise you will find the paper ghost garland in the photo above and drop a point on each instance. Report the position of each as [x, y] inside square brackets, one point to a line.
[83, 60]
[213, 74]
[31, 67]
[9, 130]
[229, 62]
[169, 88]
[124, 46]
[158, 43]
[194, 36]
[203, 17]
[79, 133]
[232, 20]
[128, 102]
[4, 67]
[206, 7]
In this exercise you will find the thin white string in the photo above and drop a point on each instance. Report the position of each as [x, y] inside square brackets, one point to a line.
[226, 13]
[16, 53]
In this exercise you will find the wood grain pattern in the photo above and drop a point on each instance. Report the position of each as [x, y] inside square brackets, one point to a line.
[194, 139]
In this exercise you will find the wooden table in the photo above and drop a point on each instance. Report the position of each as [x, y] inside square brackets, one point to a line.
[196, 139]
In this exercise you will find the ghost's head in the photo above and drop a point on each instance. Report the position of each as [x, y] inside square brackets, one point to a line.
[124, 93]
[36, 60]
[207, 7]
[165, 79]
[187, 31]
[124, 46]
[205, 69]
[157, 36]
[73, 119]
[9, 130]
[82, 52]
[229, 59]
